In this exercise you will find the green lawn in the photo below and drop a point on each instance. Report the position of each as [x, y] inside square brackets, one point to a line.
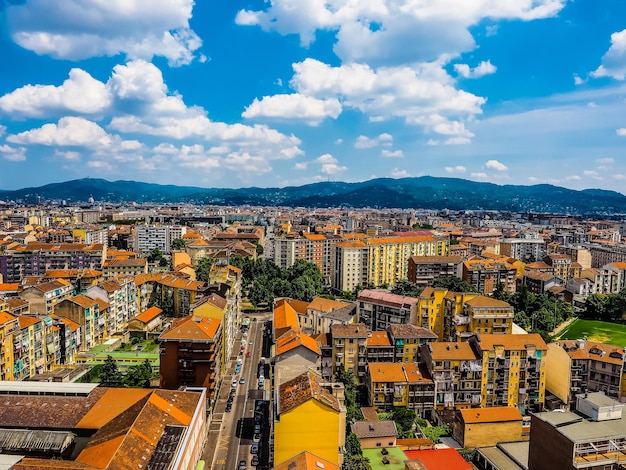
[595, 330]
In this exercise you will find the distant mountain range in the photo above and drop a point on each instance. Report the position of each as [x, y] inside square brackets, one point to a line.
[425, 192]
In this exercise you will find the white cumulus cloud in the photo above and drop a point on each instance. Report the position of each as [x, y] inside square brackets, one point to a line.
[13, 154]
[330, 165]
[379, 31]
[482, 69]
[80, 93]
[79, 29]
[614, 61]
[398, 173]
[295, 106]
[496, 165]
[621, 131]
[364, 142]
[456, 169]
[392, 153]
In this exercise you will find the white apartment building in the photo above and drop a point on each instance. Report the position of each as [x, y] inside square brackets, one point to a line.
[149, 237]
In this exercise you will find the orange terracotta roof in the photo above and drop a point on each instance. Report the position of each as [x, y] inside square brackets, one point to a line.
[26, 321]
[302, 388]
[451, 351]
[293, 339]
[378, 338]
[353, 330]
[494, 414]
[512, 342]
[326, 305]
[396, 372]
[306, 461]
[484, 301]
[6, 317]
[148, 315]
[284, 315]
[4, 287]
[83, 301]
[192, 328]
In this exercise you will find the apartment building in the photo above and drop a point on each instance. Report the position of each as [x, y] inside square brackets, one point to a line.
[562, 266]
[592, 438]
[310, 416]
[514, 370]
[456, 371]
[9, 325]
[524, 249]
[466, 315]
[190, 354]
[349, 259]
[148, 237]
[393, 384]
[313, 247]
[378, 309]
[425, 270]
[487, 274]
[35, 258]
[407, 340]
[431, 310]
[42, 298]
[582, 366]
[389, 256]
[121, 295]
[349, 349]
[378, 347]
[86, 312]
[115, 267]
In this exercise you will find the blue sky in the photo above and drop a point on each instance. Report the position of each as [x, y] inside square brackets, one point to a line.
[290, 92]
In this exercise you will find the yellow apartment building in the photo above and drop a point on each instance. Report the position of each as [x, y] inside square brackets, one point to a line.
[514, 370]
[457, 373]
[9, 325]
[479, 314]
[395, 384]
[311, 416]
[349, 349]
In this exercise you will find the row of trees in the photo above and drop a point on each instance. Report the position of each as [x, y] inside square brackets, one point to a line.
[539, 313]
[264, 281]
[353, 458]
[610, 307]
[137, 376]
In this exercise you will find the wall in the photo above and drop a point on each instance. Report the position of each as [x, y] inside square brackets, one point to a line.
[558, 372]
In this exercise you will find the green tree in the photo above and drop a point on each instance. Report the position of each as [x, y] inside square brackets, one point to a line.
[435, 432]
[407, 288]
[404, 419]
[203, 269]
[155, 256]
[353, 445]
[138, 376]
[454, 284]
[178, 244]
[110, 375]
[356, 462]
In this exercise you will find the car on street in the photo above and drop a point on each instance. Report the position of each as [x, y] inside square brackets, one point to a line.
[242, 381]
[237, 369]
[257, 437]
[234, 383]
[243, 465]
[255, 461]
[228, 408]
[254, 449]
[248, 354]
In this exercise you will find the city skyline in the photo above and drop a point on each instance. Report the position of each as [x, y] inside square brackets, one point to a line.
[283, 93]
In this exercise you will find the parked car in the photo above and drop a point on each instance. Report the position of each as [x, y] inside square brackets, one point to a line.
[234, 383]
[255, 461]
[242, 381]
[254, 449]
[242, 465]
[257, 437]
[248, 354]
[228, 408]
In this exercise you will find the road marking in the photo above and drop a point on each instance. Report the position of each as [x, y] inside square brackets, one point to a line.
[223, 442]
